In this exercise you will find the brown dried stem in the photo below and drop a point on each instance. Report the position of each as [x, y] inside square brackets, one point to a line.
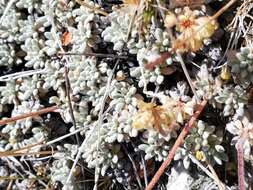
[11, 153]
[240, 164]
[178, 142]
[25, 115]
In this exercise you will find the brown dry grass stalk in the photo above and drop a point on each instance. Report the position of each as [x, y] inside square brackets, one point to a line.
[240, 164]
[178, 142]
[216, 177]
[26, 148]
[25, 115]
[11, 153]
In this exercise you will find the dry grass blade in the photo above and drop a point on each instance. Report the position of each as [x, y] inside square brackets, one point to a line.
[187, 76]
[26, 148]
[215, 177]
[21, 74]
[25, 115]
[11, 153]
[211, 174]
[178, 142]
[101, 55]
[134, 167]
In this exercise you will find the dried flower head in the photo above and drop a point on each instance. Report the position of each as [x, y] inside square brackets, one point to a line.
[193, 30]
[162, 118]
[151, 116]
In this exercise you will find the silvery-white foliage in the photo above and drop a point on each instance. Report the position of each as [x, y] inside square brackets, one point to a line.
[30, 5]
[153, 76]
[86, 34]
[84, 13]
[155, 145]
[241, 128]
[80, 109]
[83, 38]
[60, 170]
[106, 156]
[62, 12]
[116, 129]
[7, 54]
[35, 55]
[243, 67]
[85, 77]
[18, 129]
[179, 178]
[206, 140]
[54, 76]
[232, 98]
[121, 108]
[117, 31]
[51, 44]
[8, 93]
[183, 154]
[179, 92]
[204, 83]
[28, 88]
[157, 40]
[27, 29]
[9, 25]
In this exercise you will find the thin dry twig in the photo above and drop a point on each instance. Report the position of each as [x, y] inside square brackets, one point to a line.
[187, 76]
[17, 163]
[100, 120]
[100, 55]
[134, 167]
[26, 148]
[9, 186]
[144, 171]
[131, 23]
[178, 142]
[71, 112]
[21, 74]
[211, 174]
[215, 177]
[67, 82]
[200, 165]
[25, 115]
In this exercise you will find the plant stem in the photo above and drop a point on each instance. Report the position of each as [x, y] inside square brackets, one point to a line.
[25, 115]
[240, 164]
